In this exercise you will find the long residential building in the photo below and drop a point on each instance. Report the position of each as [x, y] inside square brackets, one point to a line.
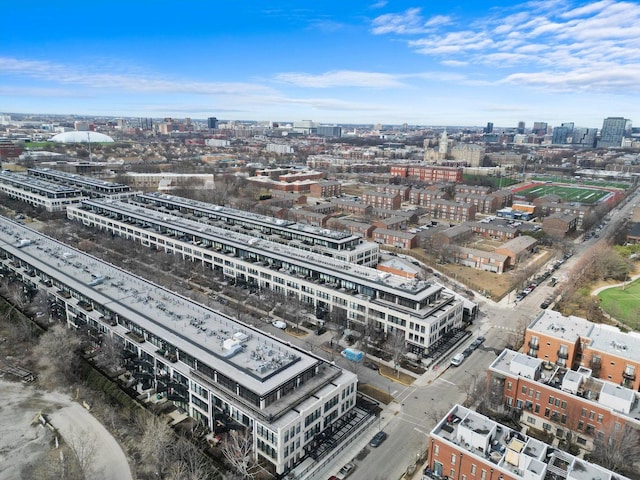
[91, 187]
[466, 445]
[39, 193]
[294, 403]
[332, 243]
[423, 311]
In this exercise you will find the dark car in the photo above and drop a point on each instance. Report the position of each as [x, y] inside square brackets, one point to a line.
[321, 330]
[544, 305]
[468, 351]
[477, 342]
[378, 439]
[371, 365]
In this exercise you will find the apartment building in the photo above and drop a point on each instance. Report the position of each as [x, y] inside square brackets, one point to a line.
[518, 248]
[426, 197]
[325, 189]
[387, 201]
[391, 223]
[364, 230]
[562, 401]
[207, 363]
[453, 211]
[559, 225]
[425, 312]
[425, 173]
[395, 238]
[472, 189]
[466, 445]
[39, 193]
[575, 342]
[335, 244]
[494, 231]
[91, 187]
[307, 217]
[402, 190]
[484, 203]
[352, 207]
[478, 259]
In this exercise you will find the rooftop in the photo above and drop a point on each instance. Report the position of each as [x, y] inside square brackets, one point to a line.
[512, 452]
[570, 328]
[255, 359]
[578, 383]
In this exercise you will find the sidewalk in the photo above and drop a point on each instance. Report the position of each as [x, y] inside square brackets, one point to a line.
[606, 287]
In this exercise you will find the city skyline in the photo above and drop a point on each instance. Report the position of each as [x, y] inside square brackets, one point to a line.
[379, 62]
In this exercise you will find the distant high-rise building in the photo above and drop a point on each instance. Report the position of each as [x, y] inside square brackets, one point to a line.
[212, 123]
[560, 135]
[328, 131]
[539, 128]
[585, 137]
[520, 127]
[489, 128]
[613, 130]
[569, 125]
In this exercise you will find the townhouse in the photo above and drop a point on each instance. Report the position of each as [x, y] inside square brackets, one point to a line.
[424, 312]
[466, 445]
[294, 403]
[565, 403]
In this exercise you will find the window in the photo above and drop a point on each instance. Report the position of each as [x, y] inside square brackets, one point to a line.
[550, 400]
[509, 385]
[524, 390]
[563, 405]
[531, 420]
[600, 418]
[453, 459]
[436, 450]
[473, 469]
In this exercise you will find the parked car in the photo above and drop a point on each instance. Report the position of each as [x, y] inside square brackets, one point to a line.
[345, 471]
[544, 305]
[457, 360]
[372, 365]
[468, 351]
[477, 342]
[279, 324]
[377, 439]
[321, 330]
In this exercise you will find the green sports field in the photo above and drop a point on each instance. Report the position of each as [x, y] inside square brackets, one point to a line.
[568, 194]
[623, 305]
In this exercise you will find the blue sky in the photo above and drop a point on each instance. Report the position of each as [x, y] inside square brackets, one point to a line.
[419, 62]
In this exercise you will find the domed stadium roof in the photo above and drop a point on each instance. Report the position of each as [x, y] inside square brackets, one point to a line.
[81, 137]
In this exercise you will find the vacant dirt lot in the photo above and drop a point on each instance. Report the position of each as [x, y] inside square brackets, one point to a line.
[22, 442]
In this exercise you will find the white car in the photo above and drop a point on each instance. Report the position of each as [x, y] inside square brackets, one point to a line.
[279, 324]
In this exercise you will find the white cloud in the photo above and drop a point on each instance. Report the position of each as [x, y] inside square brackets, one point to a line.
[553, 42]
[127, 82]
[408, 22]
[340, 78]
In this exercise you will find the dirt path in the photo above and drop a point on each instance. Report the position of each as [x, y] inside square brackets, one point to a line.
[21, 443]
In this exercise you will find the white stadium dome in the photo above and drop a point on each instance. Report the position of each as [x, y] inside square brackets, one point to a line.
[81, 137]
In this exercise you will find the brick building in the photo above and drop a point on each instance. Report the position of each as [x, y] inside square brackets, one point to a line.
[402, 190]
[453, 211]
[559, 225]
[466, 445]
[478, 259]
[425, 197]
[325, 189]
[395, 238]
[389, 201]
[484, 203]
[559, 400]
[574, 342]
[518, 248]
[426, 173]
[494, 231]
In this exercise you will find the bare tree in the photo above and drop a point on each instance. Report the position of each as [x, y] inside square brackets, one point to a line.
[155, 440]
[396, 345]
[84, 446]
[189, 463]
[618, 449]
[237, 449]
[110, 354]
[57, 352]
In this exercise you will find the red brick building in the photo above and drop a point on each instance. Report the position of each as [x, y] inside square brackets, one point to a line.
[575, 342]
[387, 201]
[325, 189]
[425, 173]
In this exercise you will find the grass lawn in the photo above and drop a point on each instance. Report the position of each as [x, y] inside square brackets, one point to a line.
[623, 305]
[594, 183]
[568, 194]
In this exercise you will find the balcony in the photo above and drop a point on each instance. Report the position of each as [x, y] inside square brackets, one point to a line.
[563, 354]
[629, 374]
[534, 344]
